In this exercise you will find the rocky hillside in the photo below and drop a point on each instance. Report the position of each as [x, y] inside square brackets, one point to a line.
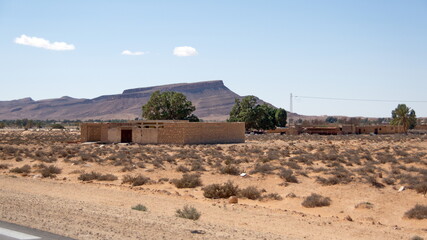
[213, 101]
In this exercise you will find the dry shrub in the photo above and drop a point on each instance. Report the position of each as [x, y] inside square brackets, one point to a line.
[316, 200]
[140, 207]
[262, 168]
[182, 168]
[288, 176]
[188, 212]
[250, 192]
[273, 196]
[97, 176]
[89, 176]
[188, 181]
[197, 165]
[293, 165]
[364, 205]
[4, 166]
[24, 169]
[421, 188]
[230, 169]
[417, 212]
[373, 181]
[220, 191]
[50, 171]
[136, 180]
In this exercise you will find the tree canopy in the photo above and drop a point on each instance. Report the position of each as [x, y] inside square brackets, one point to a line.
[169, 106]
[404, 116]
[256, 116]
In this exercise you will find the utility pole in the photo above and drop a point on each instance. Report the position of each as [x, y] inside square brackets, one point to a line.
[291, 110]
[291, 107]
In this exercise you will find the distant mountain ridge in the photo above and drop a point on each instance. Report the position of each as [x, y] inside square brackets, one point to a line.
[213, 101]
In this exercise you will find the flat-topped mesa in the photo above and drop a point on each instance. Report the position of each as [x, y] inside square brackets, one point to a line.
[181, 87]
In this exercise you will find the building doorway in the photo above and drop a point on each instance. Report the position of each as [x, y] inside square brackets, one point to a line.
[376, 131]
[126, 136]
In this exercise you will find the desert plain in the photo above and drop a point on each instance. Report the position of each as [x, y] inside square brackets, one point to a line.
[369, 184]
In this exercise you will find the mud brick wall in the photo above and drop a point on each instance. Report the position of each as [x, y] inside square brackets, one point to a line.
[172, 133]
[90, 132]
[202, 133]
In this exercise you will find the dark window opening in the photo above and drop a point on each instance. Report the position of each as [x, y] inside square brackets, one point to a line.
[126, 136]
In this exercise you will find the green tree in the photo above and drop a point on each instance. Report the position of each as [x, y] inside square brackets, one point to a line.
[168, 106]
[281, 117]
[412, 119]
[255, 116]
[331, 119]
[245, 110]
[403, 116]
[266, 117]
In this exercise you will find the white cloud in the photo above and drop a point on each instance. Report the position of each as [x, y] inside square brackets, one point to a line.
[127, 52]
[185, 51]
[43, 43]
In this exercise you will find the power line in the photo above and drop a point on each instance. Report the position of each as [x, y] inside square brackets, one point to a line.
[360, 100]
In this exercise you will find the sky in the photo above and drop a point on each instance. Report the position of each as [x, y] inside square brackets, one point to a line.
[353, 49]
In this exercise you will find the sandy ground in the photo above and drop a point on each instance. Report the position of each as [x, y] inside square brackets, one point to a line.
[102, 210]
[94, 211]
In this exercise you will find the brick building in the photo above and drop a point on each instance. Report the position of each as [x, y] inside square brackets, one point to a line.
[164, 132]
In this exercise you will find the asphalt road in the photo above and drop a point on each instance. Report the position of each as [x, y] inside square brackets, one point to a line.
[10, 231]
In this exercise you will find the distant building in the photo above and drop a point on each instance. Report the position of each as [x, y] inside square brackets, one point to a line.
[338, 130]
[379, 129]
[164, 132]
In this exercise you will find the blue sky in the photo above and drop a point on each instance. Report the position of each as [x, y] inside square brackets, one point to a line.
[360, 49]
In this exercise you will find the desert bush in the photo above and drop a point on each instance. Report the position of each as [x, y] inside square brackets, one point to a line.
[220, 191]
[24, 169]
[188, 181]
[50, 171]
[250, 192]
[364, 205]
[288, 176]
[182, 168]
[230, 169]
[136, 180]
[292, 165]
[4, 166]
[373, 181]
[291, 195]
[388, 181]
[262, 168]
[417, 212]
[417, 238]
[140, 207]
[421, 188]
[128, 168]
[197, 165]
[316, 200]
[409, 180]
[274, 196]
[188, 212]
[89, 176]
